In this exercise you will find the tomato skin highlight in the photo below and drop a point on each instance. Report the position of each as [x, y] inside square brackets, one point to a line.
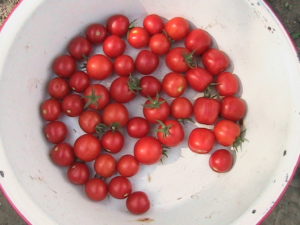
[146, 62]
[112, 141]
[78, 173]
[148, 150]
[96, 189]
[114, 46]
[124, 65]
[120, 90]
[128, 166]
[56, 132]
[206, 110]
[58, 88]
[72, 105]
[88, 120]
[226, 132]
[201, 140]
[138, 127]
[62, 154]
[215, 61]
[150, 85]
[198, 41]
[228, 84]
[87, 147]
[159, 44]
[221, 161]
[79, 81]
[177, 28]
[99, 67]
[118, 25]
[138, 37]
[96, 33]
[181, 108]
[115, 113]
[199, 78]
[64, 66]
[105, 165]
[79, 47]
[51, 109]
[153, 24]
[174, 84]
[176, 61]
[120, 187]
[138, 203]
[233, 108]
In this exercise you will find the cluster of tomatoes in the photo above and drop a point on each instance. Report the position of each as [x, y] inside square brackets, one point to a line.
[77, 92]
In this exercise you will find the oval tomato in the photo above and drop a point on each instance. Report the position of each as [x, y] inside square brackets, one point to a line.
[156, 109]
[179, 60]
[51, 109]
[206, 110]
[227, 132]
[96, 189]
[148, 150]
[78, 173]
[95, 33]
[138, 202]
[174, 84]
[138, 127]
[146, 62]
[58, 88]
[228, 84]
[170, 133]
[114, 46]
[138, 37]
[115, 113]
[56, 132]
[181, 108]
[215, 61]
[128, 166]
[199, 78]
[112, 141]
[96, 96]
[233, 108]
[150, 86]
[120, 187]
[124, 65]
[105, 165]
[118, 25]
[159, 44]
[88, 121]
[72, 105]
[123, 89]
[201, 140]
[177, 28]
[64, 66]
[153, 24]
[87, 147]
[198, 41]
[221, 161]
[79, 48]
[62, 154]
[99, 67]
[79, 81]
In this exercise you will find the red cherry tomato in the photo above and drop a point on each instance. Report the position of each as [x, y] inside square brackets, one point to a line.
[105, 165]
[118, 25]
[124, 65]
[159, 44]
[233, 108]
[58, 88]
[156, 109]
[138, 127]
[201, 140]
[96, 96]
[221, 161]
[146, 62]
[120, 89]
[228, 84]
[198, 41]
[199, 78]
[99, 67]
[170, 133]
[215, 61]
[72, 105]
[181, 108]
[96, 189]
[174, 84]
[62, 154]
[56, 132]
[51, 109]
[64, 66]
[153, 24]
[138, 37]
[177, 60]
[227, 132]
[177, 28]
[78, 173]
[150, 85]
[95, 33]
[120, 187]
[128, 166]
[87, 147]
[88, 121]
[138, 202]
[79, 81]
[206, 110]
[148, 150]
[114, 46]
[115, 113]
[79, 47]
[112, 141]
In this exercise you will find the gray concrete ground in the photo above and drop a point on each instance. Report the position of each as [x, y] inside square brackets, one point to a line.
[288, 210]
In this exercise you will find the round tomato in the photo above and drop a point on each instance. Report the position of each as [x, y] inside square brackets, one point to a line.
[177, 28]
[51, 109]
[179, 60]
[174, 84]
[64, 66]
[72, 105]
[138, 202]
[105, 165]
[120, 187]
[170, 133]
[87, 147]
[112, 141]
[118, 25]
[228, 84]
[95, 33]
[99, 67]
[124, 65]
[233, 108]
[201, 140]
[150, 86]
[96, 189]
[96, 96]
[123, 89]
[62, 154]
[159, 44]
[138, 127]
[78, 173]
[79, 81]
[156, 109]
[138, 37]
[88, 121]
[153, 24]
[206, 110]
[79, 48]
[58, 88]
[221, 161]
[227, 132]
[115, 113]
[56, 132]
[198, 41]
[146, 62]
[181, 108]
[128, 166]
[114, 46]
[199, 78]
[215, 61]
[148, 150]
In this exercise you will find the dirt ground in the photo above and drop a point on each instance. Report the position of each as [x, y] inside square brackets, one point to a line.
[288, 211]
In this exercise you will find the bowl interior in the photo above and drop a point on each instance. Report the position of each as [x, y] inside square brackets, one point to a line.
[183, 190]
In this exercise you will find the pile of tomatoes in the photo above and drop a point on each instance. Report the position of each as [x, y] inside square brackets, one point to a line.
[78, 91]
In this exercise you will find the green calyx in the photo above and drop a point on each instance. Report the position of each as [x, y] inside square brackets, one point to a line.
[239, 141]
[102, 128]
[211, 92]
[190, 59]
[92, 99]
[155, 103]
[165, 129]
[134, 84]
